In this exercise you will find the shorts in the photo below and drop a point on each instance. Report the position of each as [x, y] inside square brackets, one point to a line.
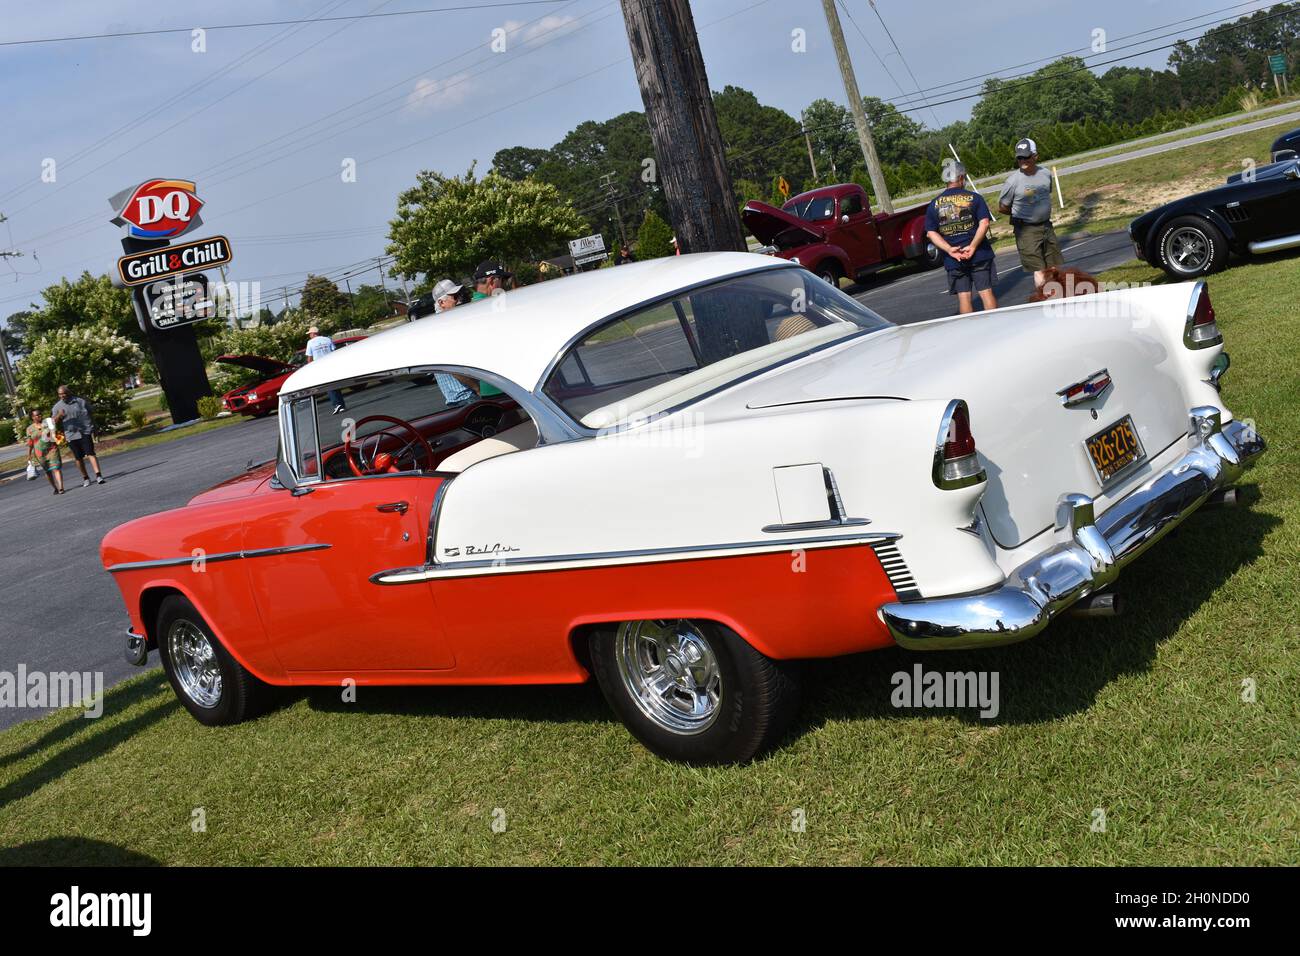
[978, 276]
[1037, 245]
[81, 446]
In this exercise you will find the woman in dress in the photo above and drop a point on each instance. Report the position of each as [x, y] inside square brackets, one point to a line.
[43, 449]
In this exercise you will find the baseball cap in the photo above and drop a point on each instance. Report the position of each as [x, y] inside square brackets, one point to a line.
[488, 268]
[445, 287]
[1026, 147]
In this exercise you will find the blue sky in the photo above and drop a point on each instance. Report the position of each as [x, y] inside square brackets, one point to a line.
[434, 96]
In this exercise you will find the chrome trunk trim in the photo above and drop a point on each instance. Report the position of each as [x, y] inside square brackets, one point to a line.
[1091, 550]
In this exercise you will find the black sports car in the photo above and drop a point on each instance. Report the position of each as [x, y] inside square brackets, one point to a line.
[1258, 211]
[1287, 146]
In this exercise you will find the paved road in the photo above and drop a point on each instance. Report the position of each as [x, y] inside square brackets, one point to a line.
[61, 612]
[924, 295]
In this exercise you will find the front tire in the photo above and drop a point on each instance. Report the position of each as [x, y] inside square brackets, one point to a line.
[214, 687]
[693, 691]
[1190, 247]
[829, 271]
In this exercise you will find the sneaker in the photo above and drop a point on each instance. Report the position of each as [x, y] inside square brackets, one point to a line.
[339, 408]
[99, 479]
[85, 482]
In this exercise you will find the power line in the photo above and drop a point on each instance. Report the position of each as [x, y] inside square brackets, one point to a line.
[275, 23]
[897, 50]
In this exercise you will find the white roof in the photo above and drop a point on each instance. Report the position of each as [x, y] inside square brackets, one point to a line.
[516, 335]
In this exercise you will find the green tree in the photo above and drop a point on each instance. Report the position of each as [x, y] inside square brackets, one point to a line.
[90, 300]
[834, 142]
[445, 225]
[1060, 92]
[16, 335]
[370, 303]
[762, 142]
[92, 360]
[322, 300]
[654, 239]
[897, 136]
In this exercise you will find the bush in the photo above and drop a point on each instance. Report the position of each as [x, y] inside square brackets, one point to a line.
[654, 239]
[138, 418]
[92, 360]
[8, 433]
[209, 407]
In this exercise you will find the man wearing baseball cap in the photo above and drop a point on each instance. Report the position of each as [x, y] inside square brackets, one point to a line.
[1027, 197]
[489, 277]
[444, 295]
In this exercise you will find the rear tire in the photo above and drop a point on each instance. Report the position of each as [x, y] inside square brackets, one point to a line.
[1190, 247]
[214, 687]
[693, 691]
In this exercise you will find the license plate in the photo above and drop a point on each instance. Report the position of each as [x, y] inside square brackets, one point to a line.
[1114, 449]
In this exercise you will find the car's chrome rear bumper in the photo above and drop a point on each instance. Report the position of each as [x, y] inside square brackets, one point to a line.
[137, 648]
[1091, 551]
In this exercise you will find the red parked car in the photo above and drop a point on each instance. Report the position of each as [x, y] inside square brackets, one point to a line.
[260, 398]
[831, 231]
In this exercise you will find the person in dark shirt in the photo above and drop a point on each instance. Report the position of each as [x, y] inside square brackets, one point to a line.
[624, 256]
[957, 222]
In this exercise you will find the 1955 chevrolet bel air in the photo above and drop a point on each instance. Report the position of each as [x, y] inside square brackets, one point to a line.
[699, 470]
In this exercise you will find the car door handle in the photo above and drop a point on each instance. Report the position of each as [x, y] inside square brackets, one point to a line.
[393, 506]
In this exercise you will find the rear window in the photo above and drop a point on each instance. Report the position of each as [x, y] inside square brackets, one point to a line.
[673, 351]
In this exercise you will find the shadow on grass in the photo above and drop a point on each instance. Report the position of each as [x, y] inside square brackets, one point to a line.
[72, 851]
[1061, 671]
[557, 703]
[89, 748]
[118, 700]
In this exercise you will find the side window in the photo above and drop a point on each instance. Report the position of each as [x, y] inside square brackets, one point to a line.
[851, 205]
[302, 421]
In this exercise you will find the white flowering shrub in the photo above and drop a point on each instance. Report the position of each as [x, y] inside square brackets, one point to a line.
[91, 360]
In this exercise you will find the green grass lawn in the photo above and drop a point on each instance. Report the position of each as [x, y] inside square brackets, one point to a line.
[1141, 716]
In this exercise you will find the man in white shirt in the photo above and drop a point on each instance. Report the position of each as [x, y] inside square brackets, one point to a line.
[317, 346]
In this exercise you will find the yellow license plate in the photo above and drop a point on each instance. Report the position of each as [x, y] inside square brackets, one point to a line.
[1114, 449]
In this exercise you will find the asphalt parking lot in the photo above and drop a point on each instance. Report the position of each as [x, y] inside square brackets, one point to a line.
[62, 612]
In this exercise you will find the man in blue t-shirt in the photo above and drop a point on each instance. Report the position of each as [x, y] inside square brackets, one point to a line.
[957, 222]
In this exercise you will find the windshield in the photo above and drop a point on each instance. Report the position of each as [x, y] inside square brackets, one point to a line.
[673, 351]
[811, 210]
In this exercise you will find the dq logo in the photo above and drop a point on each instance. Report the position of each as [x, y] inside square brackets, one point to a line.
[158, 209]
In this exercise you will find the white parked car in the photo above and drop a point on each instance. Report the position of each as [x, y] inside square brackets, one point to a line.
[696, 471]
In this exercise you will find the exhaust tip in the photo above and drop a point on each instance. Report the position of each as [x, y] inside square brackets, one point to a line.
[1223, 498]
[1101, 604]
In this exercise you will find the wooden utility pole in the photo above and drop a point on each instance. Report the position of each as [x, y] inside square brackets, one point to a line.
[683, 125]
[855, 106]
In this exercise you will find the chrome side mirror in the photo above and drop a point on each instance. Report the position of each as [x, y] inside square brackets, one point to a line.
[844, 218]
[284, 475]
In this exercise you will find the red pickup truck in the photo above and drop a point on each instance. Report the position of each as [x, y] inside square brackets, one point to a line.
[831, 231]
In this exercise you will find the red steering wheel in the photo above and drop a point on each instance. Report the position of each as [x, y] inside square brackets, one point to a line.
[382, 461]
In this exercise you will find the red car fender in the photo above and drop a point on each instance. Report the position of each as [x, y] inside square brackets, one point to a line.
[813, 255]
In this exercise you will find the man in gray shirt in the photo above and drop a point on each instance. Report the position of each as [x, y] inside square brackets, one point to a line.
[1027, 197]
[72, 414]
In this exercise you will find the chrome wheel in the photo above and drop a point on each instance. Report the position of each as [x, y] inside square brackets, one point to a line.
[671, 673]
[1188, 249]
[194, 662]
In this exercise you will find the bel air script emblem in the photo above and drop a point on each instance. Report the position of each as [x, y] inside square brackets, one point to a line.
[1091, 387]
[473, 550]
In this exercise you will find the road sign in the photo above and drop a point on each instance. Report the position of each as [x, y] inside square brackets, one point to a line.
[1277, 63]
[587, 249]
[784, 187]
[179, 301]
[154, 264]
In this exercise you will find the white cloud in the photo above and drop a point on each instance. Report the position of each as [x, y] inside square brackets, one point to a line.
[543, 31]
[430, 94]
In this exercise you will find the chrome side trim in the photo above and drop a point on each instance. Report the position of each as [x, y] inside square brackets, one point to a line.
[213, 558]
[1274, 245]
[1090, 551]
[430, 553]
[426, 572]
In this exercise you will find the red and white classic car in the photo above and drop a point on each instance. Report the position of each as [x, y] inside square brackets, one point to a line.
[700, 470]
